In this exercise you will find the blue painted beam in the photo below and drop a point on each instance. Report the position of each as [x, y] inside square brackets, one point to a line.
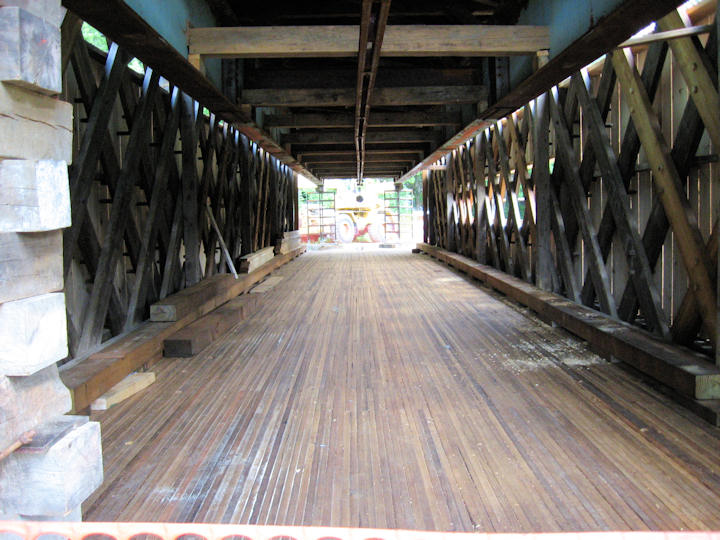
[170, 19]
[568, 20]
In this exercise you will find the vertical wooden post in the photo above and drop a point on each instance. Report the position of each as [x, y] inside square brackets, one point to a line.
[191, 235]
[543, 195]
[426, 207]
[450, 241]
[717, 292]
[296, 207]
[246, 193]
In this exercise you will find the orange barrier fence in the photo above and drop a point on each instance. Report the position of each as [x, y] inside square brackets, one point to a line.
[205, 531]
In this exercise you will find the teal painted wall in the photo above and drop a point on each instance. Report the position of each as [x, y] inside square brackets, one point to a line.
[568, 20]
[170, 19]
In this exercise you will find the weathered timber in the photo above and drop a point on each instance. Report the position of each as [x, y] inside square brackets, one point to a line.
[99, 102]
[665, 174]
[95, 315]
[267, 285]
[543, 187]
[345, 97]
[33, 334]
[34, 195]
[28, 401]
[129, 386]
[190, 211]
[619, 203]
[55, 472]
[629, 149]
[510, 186]
[479, 372]
[197, 336]
[342, 41]
[48, 10]
[123, 25]
[28, 116]
[146, 257]
[30, 51]
[291, 240]
[88, 378]
[30, 264]
[326, 136]
[571, 174]
[680, 369]
[377, 119]
[703, 91]
[619, 25]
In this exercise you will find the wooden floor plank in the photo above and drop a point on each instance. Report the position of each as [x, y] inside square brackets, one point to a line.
[382, 389]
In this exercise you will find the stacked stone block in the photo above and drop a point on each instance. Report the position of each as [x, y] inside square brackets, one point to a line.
[48, 478]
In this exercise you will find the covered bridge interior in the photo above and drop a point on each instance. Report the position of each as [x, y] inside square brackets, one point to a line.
[544, 360]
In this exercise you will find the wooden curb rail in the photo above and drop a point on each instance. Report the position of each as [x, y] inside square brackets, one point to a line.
[682, 370]
[89, 378]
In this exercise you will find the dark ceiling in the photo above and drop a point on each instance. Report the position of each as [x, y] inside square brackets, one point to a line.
[417, 103]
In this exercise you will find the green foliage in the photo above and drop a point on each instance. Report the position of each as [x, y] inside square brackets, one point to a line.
[415, 185]
[95, 38]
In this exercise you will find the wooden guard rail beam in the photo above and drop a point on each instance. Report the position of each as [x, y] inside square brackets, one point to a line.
[89, 378]
[123, 531]
[685, 372]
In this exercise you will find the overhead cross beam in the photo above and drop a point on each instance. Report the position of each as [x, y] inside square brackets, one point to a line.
[331, 136]
[372, 30]
[382, 97]
[378, 119]
[342, 41]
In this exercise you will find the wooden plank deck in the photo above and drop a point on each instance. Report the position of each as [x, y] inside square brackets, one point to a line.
[381, 389]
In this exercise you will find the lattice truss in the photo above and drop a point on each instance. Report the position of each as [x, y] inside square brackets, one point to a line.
[150, 167]
[604, 189]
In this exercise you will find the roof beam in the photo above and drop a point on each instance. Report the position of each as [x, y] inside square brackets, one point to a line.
[373, 24]
[326, 136]
[377, 119]
[342, 41]
[387, 76]
[382, 97]
[324, 153]
[381, 158]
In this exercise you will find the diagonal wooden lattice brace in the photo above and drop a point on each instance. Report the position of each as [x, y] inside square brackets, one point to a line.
[499, 220]
[547, 204]
[619, 204]
[207, 143]
[82, 171]
[488, 203]
[701, 88]
[667, 179]
[626, 161]
[481, 215]
[689, 133]
[101, 290]
[216, 185]
[510, 189]
[471, 194]
[578, 197]
[246, 189]
[157, 197]
[517, 153]
[687, 322]
[538, 119]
